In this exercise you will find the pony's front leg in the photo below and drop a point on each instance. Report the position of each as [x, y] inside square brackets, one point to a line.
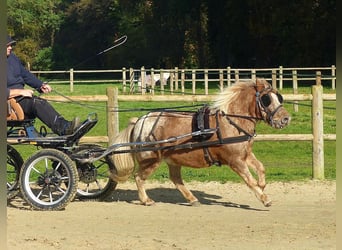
[258, 167]
[242, 170]
[176, 178]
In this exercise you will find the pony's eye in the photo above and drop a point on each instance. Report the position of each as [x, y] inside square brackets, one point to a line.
[266, 100]
[280, 98]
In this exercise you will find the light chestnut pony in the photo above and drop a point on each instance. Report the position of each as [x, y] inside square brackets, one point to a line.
[169, 136]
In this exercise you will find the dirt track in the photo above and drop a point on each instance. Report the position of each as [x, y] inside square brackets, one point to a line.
[303, 216]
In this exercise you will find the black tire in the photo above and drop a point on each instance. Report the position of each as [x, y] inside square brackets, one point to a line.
[14, 163]
[94, 182]
[48, 180]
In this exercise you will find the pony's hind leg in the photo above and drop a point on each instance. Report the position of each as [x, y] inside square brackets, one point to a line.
[140, 177]
[176, 178]
[241, 168]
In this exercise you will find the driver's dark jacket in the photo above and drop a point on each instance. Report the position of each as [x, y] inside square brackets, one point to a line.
[18, 75]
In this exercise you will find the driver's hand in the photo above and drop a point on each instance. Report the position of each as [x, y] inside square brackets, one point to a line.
[46, 88]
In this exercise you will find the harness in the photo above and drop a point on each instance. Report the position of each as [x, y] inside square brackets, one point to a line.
[201, 119]
[200, 123]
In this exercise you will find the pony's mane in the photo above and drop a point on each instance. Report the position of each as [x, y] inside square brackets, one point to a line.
[230, 95]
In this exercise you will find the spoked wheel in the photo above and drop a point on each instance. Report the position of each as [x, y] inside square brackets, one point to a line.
[94, 182]
[48, 180]
[14, 163]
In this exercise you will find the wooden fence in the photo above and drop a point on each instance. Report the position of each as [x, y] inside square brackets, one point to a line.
[180, 81]
[317, 137]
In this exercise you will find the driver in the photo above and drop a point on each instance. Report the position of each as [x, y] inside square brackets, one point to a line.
[34, 106]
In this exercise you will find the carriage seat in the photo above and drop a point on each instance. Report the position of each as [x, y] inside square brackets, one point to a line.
[14, 111]
[17, 125]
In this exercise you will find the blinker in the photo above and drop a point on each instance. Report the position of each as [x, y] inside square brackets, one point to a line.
[266, 99]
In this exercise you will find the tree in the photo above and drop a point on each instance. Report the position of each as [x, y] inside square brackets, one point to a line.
[60, 34]
[89, 27]
[34, 24]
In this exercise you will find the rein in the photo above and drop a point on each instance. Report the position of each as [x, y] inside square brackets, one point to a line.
[250, 118]
[241, 130]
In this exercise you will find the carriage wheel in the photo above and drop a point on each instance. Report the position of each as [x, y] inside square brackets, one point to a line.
[48, 180]
[94, 182]
[14, 163]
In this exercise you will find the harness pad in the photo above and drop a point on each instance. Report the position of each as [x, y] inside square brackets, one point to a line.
[200, 122]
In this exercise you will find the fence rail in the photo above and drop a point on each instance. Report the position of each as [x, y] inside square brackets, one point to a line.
[177, 80]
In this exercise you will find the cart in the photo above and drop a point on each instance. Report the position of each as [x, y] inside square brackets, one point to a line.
[53, 176]
[63, 168]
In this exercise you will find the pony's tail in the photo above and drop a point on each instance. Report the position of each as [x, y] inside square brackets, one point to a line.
[123, 162]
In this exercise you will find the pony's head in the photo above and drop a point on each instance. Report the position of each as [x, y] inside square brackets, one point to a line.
[257, 100]
[269, 104]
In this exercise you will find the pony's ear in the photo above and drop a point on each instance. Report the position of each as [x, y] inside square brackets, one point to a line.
[261, 84]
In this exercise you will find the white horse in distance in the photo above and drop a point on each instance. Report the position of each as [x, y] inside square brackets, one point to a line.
[147, 82]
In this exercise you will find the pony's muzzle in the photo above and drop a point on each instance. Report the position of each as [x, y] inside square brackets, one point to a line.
[281, 123]
[286, 120]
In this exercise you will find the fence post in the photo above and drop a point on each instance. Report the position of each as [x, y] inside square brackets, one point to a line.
[112, 114]
[161, 80]
[171, 81]
[131, 81]
[71, 80]
[317, 127]
[221, 79]
[176, 78]
[193, 82]
[274, 78]
[236, 75]
[333, 74]
[295, 88]
[153, 83]
[253, 75]
[124, 79]
[229, 80]
[183, 81]
[206, 81]
[280, 77]
[142, 87]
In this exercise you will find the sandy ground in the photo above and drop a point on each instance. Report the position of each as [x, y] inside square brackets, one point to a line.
[303, 216]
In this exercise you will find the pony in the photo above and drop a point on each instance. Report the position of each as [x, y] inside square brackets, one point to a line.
[150, 83]
[218, 134]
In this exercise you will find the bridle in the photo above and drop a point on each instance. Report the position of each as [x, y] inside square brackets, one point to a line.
[263, 101]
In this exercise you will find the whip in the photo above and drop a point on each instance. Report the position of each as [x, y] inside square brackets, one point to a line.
[117, 43]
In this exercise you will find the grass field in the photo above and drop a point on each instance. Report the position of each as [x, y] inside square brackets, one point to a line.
[284, 161]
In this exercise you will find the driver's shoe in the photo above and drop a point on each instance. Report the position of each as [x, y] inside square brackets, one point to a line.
[74, 125]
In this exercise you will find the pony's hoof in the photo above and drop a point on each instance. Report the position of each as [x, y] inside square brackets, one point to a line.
[268, 203]
[195, 204]
[148, 203]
